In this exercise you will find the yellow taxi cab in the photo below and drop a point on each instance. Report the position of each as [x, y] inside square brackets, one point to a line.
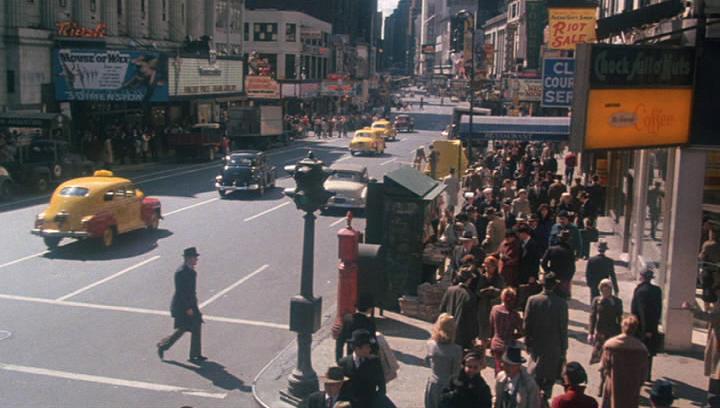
[368, 140]
[389, 132]
[101, 206]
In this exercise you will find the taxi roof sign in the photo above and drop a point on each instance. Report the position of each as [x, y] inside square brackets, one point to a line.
[103, 173]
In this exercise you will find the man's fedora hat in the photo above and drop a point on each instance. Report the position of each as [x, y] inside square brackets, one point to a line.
[360, 337]
[602, 246]
[334, 375]
[513, 355]
[190, 252]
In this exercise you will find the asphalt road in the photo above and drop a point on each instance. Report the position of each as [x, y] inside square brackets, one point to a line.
[79, 325]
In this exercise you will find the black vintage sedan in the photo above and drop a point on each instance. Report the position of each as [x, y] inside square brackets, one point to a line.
[245, 170]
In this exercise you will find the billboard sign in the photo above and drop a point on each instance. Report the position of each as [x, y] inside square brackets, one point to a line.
[558, 80]
[631, 96]
[571, 26]
[428, 49]
[109, 75]
[262, 87]
[529, 90]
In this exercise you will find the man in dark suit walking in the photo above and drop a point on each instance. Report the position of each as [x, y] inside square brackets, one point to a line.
[600, 267]
[184, 308]
[560, 259]
[529, 256]
[647, 306]
[366, 384]
[333, 381]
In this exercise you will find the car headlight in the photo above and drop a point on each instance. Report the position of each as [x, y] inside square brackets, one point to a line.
[39, 220]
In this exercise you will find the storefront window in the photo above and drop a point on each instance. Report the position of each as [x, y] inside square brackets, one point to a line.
[290, 66]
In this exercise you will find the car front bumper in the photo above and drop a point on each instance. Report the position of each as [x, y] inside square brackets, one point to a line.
[341, 202]
[249, 187]
[53, 233]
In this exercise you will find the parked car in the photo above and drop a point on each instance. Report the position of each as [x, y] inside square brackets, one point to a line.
[6, 184]
[404, 122]
[389, 132]
[245, 170]
[368, 140]
[348, 183]
[40, 163]
[101, 206]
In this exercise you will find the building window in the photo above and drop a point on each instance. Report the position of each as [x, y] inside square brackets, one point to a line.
[272, 62]
[119, 7]
[291, 33]
[93, 5]
[62, 3]
[290, 72]
[10, 80]
[182, 11]
[265, 32]
[164, 10]
[246, 32]
[221, 13]
[142, 9]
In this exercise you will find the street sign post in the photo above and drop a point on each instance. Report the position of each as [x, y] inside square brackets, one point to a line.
[558, 79]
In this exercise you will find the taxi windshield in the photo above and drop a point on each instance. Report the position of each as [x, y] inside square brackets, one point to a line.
[379, 126]
[364, 134]
[346, 176]
[241, 161]
[74, 192]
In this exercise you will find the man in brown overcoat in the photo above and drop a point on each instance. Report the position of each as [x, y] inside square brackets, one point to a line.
[624, 367]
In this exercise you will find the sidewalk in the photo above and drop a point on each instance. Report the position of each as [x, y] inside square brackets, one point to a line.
[407, 337]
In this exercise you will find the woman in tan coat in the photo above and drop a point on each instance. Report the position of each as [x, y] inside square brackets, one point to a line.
[624, 367]
[712, 347]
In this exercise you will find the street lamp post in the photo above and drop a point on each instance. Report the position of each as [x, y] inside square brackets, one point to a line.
[305, 309]
[469, 24]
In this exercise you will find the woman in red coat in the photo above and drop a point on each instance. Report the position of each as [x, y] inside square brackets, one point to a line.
[509, 253]
[506, 325]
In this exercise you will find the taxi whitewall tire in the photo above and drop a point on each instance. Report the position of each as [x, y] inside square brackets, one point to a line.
[107, 239]
[154, 223]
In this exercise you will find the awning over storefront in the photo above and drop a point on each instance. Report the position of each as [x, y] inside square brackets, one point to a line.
[616, 24]
[523, 128]
[32, 119]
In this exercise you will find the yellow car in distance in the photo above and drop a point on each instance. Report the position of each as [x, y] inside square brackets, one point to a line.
[368, 140]
[389, 132]
[101, 206]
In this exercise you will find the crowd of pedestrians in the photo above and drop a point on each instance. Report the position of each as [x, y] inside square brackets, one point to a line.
[514, 242]
[328, 126]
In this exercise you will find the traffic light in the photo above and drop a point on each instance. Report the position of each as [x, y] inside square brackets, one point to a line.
[309, 193]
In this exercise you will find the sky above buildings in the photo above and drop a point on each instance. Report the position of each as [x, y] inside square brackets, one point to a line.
[387, 6]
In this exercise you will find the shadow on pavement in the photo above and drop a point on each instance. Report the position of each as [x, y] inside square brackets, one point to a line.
[127, 245]
[409, 359]
[217, 374]
[270, 195]
[394, 328]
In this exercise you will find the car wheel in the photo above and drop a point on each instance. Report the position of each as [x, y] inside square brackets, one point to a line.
[211, 153]
[108, 237]
[41, 184]
[52, 242]
[5, 190]
[154, 222]
[261, 190]
[222, 193]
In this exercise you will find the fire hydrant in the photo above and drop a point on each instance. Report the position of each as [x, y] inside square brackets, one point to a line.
[348, 244]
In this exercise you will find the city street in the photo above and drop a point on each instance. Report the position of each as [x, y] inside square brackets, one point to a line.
[80, 324]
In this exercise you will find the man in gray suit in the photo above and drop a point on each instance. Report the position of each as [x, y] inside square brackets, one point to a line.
[546, 334]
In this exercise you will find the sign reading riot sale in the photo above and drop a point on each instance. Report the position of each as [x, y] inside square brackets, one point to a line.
[110, 75]
[631, 97]
[558, 79]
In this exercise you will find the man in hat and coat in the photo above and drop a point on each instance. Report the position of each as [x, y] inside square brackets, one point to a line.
[468, 246]
[333, 381]
[546, 334]
[530, 255]
[468, 389]
[600, 267]
[624, 367]
[494, 232]
[365, 386]
[560, 260]
[184, 308]
[461, 302]
[564, 224]
[574, 380]
[647, 306]
[514, 386]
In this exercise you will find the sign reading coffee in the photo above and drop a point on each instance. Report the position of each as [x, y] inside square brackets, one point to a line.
[631, 97]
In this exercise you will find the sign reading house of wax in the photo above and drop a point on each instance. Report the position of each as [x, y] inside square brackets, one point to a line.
[631, 97]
